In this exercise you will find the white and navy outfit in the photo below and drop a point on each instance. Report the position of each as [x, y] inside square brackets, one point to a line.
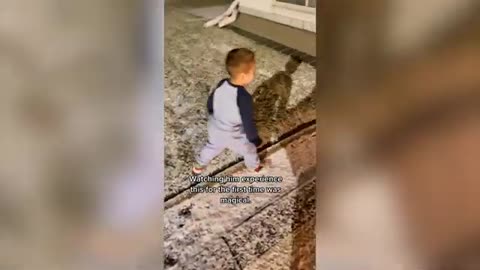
[231, 124]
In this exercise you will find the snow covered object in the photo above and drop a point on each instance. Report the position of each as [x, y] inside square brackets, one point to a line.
[227, 17]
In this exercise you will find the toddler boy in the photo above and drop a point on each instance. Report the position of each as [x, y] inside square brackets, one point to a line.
[231, 122]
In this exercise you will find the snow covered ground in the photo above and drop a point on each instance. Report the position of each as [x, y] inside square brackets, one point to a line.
[201, 232]
[194, 63]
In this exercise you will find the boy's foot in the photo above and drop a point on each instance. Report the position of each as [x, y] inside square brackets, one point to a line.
[264, 163]
[258, 169]
[197, 169]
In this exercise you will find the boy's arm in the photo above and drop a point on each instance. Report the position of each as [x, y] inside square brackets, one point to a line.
[210, 103]
[245, 104]
[210, 97]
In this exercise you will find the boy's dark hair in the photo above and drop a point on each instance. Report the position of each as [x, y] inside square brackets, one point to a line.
[238, 60]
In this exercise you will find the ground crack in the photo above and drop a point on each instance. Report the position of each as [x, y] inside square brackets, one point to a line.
[237, 262]
[284, 137]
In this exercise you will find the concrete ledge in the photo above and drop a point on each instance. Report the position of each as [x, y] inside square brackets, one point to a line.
[276, 16]
[240, 165]
[298, 39]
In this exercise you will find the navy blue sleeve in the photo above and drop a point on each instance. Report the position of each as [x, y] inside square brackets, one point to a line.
[245, 104]
[210, 103]
[210, 97]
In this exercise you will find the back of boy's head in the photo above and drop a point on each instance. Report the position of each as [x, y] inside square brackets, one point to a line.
[239, 61]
